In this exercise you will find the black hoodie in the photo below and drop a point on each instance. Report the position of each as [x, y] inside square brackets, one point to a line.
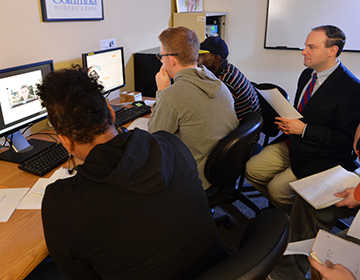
[135, 210]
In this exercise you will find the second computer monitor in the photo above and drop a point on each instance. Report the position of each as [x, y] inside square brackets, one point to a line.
[107, 67]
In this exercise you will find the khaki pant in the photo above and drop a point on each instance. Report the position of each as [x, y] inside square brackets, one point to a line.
[270, 173]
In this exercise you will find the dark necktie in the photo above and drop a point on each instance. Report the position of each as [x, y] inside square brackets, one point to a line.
[307, 93]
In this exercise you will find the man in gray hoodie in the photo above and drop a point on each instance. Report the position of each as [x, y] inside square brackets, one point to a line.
[197, 107]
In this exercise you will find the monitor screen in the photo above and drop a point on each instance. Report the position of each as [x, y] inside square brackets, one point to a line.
[19, 104]
[20, 107]
[107, 67]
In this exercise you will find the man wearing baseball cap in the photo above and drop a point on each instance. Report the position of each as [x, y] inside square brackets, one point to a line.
[213, 55]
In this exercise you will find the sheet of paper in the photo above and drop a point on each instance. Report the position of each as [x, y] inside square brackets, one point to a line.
[141, 123]
[328, 246]
[319, 189]
[9, 200]
[149, 102]
[34, 197]
[300, 247]
[279, 103]
[354, 229]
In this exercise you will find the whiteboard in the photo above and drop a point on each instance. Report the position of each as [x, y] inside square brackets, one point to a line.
[290, 21]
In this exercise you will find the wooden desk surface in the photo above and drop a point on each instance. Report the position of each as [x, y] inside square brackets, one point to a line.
[22, 242]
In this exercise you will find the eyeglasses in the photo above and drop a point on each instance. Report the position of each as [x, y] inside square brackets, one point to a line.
[160, 56]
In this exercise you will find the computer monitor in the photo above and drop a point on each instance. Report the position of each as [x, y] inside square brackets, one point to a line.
[20, 107]
[107, 67]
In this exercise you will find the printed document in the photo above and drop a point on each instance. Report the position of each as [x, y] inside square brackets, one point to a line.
[328, 246]
[319, 189]
[279, 103]
[34, 197]
[9, 200]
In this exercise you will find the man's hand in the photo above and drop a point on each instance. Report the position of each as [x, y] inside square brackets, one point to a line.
[288, 126]
[162, 79]
[349, 199]
[332, 271]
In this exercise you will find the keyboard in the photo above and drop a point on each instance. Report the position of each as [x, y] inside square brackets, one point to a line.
[131, 114]
[45, 161]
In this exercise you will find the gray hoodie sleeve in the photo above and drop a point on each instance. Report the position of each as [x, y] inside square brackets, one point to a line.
[164, 116]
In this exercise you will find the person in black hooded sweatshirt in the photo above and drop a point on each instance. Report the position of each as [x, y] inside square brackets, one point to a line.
[136, 208]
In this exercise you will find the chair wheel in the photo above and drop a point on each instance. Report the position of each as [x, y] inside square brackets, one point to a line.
[228, 224]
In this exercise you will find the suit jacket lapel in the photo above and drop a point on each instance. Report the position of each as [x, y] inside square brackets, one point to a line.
[304, 78]
[324, 89]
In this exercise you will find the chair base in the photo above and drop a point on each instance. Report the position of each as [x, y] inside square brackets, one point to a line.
[244, 199]
[225, 221]
[222, 220]
[342, 225]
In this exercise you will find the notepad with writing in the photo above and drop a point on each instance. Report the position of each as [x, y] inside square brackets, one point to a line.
[330, 247]
[319, 189]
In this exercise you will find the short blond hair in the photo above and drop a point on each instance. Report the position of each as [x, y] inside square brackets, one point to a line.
[183, 42]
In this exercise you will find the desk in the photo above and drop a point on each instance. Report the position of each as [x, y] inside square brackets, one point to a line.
[22, 243]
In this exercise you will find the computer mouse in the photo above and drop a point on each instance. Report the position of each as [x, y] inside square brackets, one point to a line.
[123, 129]
[138, 103]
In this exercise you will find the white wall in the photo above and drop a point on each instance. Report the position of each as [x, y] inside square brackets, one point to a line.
[246, 21]
[26, 39]
[136, 25]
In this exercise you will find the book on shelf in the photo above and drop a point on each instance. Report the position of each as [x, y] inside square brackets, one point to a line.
[319, 189]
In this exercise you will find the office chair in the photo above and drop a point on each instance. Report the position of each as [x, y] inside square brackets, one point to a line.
[269, 129]
[227, 161]
[268, 113]
[261, 248]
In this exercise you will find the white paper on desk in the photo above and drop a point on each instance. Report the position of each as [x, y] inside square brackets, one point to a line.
[354, 229]
[279, 103]
[149, 102]
[9, 199]
[300, 247]
[34, 197]
[141, 123]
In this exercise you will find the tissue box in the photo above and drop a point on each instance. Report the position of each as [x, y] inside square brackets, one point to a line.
[129, 97]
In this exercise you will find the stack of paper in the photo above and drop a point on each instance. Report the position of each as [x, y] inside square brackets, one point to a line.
[9, 200]
[34, 197]
[319, 189]
[337, 250]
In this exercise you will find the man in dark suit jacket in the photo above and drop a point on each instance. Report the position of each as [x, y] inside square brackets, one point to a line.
[323, 137]
[320, 140]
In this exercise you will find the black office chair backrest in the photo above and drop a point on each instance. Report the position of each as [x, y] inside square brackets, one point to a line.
[260, 250]
[227, 161]
[268, 113]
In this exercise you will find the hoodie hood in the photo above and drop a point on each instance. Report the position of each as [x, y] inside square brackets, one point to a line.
[136, 161]
[202, 78]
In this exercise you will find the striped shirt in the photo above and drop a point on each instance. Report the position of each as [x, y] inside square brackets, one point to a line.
[243, 92]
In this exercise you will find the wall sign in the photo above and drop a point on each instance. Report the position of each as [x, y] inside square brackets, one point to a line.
[72, 10]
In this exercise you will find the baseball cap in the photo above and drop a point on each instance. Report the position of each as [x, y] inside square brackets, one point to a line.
[214, 45]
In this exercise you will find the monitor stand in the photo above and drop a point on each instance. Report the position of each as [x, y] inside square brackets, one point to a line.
[22, 149]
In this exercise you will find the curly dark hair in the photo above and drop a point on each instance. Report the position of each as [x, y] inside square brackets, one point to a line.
[75, 104]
